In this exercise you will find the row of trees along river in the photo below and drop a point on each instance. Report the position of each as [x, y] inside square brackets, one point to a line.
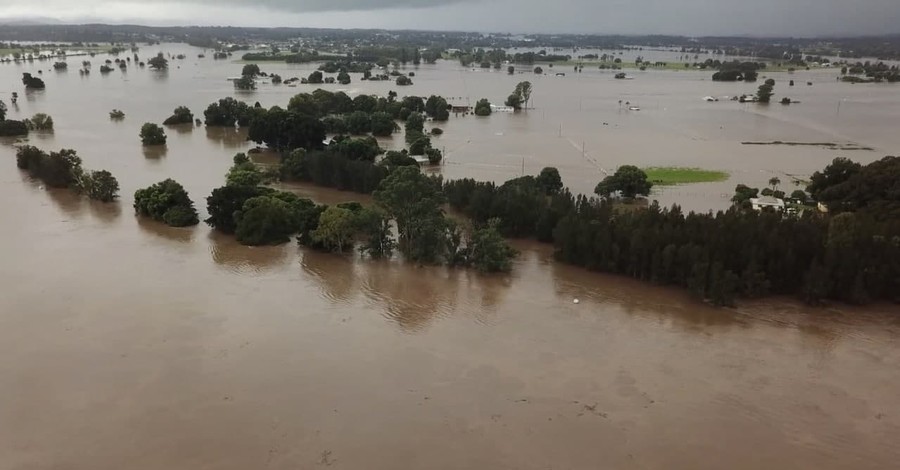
[851, 253]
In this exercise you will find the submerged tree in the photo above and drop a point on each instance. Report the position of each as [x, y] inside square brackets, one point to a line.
[166, 202]
[152, 134]
[100, 185]
[32, 82]
[483, 107]
[159, 62]
[630, 181]
[181, 115]
[40, 122]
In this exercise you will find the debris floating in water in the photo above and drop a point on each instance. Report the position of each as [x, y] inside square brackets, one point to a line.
[576, 301]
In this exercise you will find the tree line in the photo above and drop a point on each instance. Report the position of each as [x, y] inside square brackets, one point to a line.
[851, 254]
[63, 169]
[405, 198]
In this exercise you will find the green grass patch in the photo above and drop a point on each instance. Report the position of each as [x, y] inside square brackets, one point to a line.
[667, 176]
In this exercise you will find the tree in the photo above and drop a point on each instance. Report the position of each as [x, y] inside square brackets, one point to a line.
[152, 134]
[167, 202]
[510, 70]
[362, 149]
[403, 80]
[374, 224]
[250, 70]
[873, 190]
[437, 108]
[13, 128]
[524, 90]
[628, 180]
[116, 115]
[336, 229]
[40, 122]
[159, 62]
[315, 78]
[799, 195]
[550, 181]
[514, 101]
[840, 170]
[415, 127]
[100, 185]
[764, 94]
[245, 83]
[489, 252]
[57, 170]
[414, 202]
[538, 71]
[483, 107]
[358, 122]
[383, 125]
[420, 145]
[31, 82]
[2, 111]
[244, 172]
[343, 77]
[224, 202]
[227, 112]
[394, 158]
[181, 115]
[434, 155]
[743, 194]
[267, 220]
[774, 182]
[284, 130]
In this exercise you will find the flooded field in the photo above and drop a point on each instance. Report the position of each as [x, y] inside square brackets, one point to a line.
[127, 344]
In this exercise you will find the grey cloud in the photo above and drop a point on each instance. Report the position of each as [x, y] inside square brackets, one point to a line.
[302, 6]
[685, 17]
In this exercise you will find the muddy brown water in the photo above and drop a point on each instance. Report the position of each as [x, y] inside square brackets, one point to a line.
[126, 344]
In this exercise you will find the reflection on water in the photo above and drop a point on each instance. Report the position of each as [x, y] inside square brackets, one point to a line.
[412, 297]
[68, 201]
[195, 351]
[228, 137]
[181, 128]
[159, 229]
[637, 297]
[246, 260]
[159, 75]
[32, 95]
[334, 273]
[154, 152]
[106, 212]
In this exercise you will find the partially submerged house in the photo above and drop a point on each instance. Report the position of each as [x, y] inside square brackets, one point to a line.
[767, 202]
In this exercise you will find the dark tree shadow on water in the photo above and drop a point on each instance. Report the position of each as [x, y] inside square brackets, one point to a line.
[181, 128]
[159, 229]
[106, 212]
[154, 152]
[237, 258]
[68, 201]
[333, 272]
[228, 137]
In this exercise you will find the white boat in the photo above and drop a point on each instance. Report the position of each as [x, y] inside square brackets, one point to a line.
[710, 98]
[634, 108]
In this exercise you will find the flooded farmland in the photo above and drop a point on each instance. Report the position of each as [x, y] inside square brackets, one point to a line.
[128, 344]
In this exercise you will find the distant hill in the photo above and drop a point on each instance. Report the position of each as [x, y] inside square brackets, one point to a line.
[29, 21]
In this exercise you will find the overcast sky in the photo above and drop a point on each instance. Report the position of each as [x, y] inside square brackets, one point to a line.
[687, 17]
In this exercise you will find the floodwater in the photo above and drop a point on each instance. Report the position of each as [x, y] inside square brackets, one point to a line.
[126, 344]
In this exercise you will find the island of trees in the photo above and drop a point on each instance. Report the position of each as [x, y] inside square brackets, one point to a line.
[63, 169]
